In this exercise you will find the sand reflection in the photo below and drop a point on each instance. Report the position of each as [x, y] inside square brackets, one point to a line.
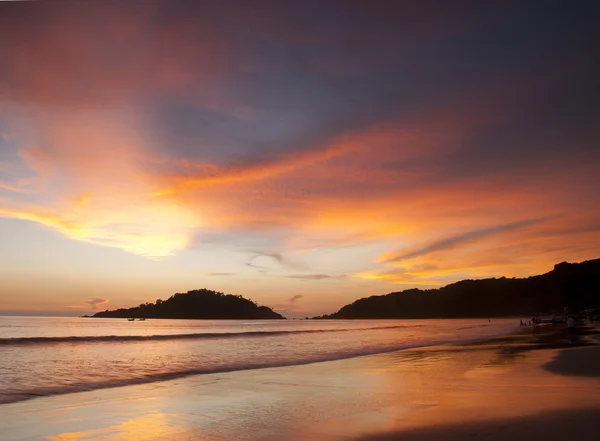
[144, 427]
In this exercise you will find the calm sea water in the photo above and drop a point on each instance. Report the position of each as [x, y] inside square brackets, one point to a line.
[41, 356]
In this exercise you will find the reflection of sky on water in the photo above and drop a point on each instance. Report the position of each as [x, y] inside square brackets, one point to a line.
[41, 369]
[323, 401]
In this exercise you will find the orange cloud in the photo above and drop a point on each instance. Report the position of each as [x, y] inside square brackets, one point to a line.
[212, 175]
[95, 302]
[90, 176]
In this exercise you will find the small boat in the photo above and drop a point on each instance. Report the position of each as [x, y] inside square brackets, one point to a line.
[130, 319]
[142, 319]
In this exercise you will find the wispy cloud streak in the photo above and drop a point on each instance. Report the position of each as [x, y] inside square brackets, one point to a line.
[455, 241]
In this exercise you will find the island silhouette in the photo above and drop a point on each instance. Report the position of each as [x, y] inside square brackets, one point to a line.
[569, 286]
[197, 304]
[574, 286]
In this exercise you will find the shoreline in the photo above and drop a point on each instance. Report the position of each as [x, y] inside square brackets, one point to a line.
[188, 371]
[493, 388]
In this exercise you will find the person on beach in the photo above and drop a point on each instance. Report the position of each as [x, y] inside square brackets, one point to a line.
[571, 325]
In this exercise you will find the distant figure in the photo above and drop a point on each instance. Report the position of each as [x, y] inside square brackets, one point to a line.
[571, 325]
[522, 324]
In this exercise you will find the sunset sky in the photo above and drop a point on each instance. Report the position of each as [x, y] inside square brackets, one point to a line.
[303, 154]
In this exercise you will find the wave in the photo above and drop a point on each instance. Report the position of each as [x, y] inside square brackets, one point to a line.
[189, 336]
[15, 395]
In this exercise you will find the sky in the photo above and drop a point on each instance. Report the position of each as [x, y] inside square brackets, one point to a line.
[301, 154]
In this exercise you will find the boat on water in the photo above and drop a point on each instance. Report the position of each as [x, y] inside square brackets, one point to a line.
[131, 319]
[142, 319]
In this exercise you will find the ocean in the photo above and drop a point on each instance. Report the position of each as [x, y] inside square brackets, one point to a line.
[44, 356]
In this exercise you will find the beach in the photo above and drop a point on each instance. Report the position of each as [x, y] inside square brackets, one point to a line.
[534, 385]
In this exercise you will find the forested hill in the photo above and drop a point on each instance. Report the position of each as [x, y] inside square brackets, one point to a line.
[576, 286]
[197, 304]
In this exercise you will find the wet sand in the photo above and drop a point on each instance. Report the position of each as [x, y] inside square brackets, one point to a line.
[582, 362]
[577, 424]
[538, 384]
